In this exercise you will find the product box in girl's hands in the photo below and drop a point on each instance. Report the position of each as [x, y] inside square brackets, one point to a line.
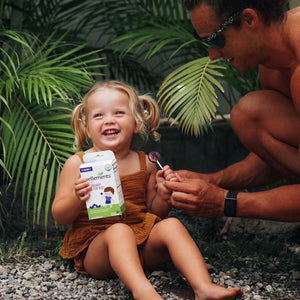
[100, 169]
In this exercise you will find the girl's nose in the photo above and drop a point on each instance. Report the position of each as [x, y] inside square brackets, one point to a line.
[214, 53]
[109, 120]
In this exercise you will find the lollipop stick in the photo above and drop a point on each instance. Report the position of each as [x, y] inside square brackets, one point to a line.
[159, 164]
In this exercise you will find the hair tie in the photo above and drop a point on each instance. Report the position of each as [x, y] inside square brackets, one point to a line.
[146, 113]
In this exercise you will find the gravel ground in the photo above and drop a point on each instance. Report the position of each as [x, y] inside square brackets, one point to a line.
[44, 277]
[264, 267]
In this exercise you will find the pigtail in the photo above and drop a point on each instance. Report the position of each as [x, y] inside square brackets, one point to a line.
[78, 125]
[151, 116]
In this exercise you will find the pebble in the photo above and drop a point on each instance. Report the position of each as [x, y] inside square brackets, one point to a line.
[52, 278]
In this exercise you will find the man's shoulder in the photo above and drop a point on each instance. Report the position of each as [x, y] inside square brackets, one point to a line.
[272, 79]
[292, 30]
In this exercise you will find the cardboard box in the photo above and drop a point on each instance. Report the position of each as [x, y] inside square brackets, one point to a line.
[100, 169]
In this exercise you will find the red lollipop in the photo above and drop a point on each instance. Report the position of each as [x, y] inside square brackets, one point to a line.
[154, 157]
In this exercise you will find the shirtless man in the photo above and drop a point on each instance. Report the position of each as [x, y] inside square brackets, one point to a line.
[267, 121]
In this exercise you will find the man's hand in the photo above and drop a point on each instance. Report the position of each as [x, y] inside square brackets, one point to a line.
[197, 197]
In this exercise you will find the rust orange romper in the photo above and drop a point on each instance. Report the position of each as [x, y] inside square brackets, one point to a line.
[83, 231]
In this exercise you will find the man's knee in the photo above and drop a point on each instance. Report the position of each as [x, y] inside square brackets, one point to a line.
[247, 111]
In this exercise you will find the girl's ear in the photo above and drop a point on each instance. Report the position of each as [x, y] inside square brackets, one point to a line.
[86, 130]
[138, 127]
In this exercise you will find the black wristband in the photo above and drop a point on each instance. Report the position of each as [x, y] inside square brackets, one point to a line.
[230, 204]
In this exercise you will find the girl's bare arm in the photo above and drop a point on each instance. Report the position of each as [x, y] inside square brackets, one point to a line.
[158, 196]
[71, 194]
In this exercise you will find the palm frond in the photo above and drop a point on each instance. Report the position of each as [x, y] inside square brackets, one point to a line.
[49, 76]
[100, 16]
[188, 95]
[44, 140]
[2, 163]
[157, 37]
[135, 72]
[44, 73]
[36, 137]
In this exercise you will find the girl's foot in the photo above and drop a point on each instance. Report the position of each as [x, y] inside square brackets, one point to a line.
[215, 292]
[147, 294]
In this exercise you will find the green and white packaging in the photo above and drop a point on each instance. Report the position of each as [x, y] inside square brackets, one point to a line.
[100, 169]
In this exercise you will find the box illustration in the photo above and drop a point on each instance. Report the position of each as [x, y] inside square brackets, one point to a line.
[100, 169]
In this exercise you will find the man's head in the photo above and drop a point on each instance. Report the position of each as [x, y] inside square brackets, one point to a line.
[269, 10]
[236, 30]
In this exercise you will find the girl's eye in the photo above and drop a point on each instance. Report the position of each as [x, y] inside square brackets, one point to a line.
[119, 112]
[98, 115]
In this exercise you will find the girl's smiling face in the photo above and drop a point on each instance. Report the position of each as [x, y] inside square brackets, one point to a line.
[110, 123]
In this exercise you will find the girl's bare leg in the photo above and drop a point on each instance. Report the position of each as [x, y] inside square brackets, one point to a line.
[114, 252]
[171, 236]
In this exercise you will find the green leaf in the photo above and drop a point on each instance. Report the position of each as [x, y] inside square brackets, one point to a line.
[37, 149]
[188, 95]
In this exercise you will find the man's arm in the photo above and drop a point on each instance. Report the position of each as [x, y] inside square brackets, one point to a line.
[278, 204]
[203, 199]
[250, 172]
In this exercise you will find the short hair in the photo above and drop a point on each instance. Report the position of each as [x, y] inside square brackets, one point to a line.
[109, 189]
[143, 108]
[270, 10]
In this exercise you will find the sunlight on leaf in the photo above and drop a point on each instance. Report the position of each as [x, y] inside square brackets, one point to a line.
[188, 95]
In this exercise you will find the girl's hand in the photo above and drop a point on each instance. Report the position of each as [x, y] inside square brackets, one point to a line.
[169, 174]
[166, 174]
[82, 189]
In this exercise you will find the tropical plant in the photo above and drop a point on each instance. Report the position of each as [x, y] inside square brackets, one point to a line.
[38, 82]
[294, 3]
[189, 95]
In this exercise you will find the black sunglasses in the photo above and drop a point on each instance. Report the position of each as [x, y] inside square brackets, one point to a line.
[217, 39]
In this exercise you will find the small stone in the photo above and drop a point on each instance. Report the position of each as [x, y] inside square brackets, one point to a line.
[259, 285]
[3, 273]
[48, 266]
[229, 282]
[158, 273]
[210, 267]
[269, 288]
[71, 276]
[28, 275]
[54, 276]
[296, 275]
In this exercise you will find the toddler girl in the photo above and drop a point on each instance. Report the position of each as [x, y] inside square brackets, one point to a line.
[113, 116]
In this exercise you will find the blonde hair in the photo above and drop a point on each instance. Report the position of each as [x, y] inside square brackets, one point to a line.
[143, 108]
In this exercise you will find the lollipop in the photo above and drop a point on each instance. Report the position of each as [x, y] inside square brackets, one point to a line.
[154, 157]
